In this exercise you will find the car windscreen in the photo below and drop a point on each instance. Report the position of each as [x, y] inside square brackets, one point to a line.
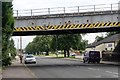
[94, 54]
[29, 56]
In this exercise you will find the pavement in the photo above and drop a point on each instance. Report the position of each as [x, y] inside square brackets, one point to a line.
[102, 62]
[0, 73]
[19, 70]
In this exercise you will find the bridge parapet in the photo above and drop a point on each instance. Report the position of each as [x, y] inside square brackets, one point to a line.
[67, 15]
[67, 11]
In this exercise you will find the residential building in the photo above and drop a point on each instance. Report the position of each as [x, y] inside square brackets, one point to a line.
[107, 44]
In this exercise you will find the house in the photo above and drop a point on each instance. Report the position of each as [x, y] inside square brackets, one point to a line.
[107, 44]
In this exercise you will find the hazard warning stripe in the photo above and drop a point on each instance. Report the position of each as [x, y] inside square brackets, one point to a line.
[69, 26]
[29, 28]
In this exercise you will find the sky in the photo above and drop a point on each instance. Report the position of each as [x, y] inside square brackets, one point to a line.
[37, 4]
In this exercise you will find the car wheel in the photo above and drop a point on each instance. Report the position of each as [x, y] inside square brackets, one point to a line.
[98, 62]
[88, 61]
[83, 61]
[93, 61]
[25, 62]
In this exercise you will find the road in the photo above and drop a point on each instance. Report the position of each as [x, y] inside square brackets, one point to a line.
[48, 67]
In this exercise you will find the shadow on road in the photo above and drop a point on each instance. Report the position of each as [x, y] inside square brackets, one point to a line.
[67, 65]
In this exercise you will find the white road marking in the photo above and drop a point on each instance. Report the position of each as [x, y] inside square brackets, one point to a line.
[99, 76]
[92, 69]
[114, 74]
[108, 71]
[96, 76]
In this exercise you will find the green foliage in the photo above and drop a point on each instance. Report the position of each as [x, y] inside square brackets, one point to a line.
[108, 34]
[6, 61]
[82, 45]
[112, 33]
[30, 48]
[65, 42]
[11, 48]
[99, 38]
[7, 28]
[39, 44]
[47, 43]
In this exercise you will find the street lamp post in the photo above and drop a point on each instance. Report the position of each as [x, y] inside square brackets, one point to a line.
[18, 47]
[21, 45]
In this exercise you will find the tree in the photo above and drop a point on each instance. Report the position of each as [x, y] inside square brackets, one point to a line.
[30, 48]
[53, 44]
[65, 42]
[99, 38]
[82, 45]
[7, 28]
[39, 44]
[108, 34]
[12, 49]
[46, 43]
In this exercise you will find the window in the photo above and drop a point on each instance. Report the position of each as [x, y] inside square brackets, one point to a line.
[109, 45]
[29, 56]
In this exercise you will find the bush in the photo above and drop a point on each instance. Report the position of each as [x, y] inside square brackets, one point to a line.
[6, 61]
[111, 57]
[7, 28]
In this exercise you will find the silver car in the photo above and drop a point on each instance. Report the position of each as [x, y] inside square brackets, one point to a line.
[29, 59]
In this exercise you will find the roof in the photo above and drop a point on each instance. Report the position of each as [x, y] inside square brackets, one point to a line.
[112, 38]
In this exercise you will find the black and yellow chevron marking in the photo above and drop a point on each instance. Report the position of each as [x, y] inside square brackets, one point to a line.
[68, 26]
[78, 26]
[29, 28]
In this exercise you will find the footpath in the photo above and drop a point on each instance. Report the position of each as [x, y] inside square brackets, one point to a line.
[101, 62]
[0, 73]
[17, 70]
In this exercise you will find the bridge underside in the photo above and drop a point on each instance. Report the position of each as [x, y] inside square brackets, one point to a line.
[67, 31]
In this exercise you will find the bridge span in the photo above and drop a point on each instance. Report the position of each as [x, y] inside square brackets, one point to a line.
[80, 19]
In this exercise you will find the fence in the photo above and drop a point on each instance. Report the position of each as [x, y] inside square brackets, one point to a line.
[109, 56]
[64, 10]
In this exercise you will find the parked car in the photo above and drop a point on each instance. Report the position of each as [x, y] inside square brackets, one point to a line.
[73, 54]
[29, 59]
[92, 56]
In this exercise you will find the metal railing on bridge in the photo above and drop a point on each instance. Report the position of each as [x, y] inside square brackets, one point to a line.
[65, 10]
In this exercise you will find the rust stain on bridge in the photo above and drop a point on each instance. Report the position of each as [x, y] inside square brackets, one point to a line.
[68, 26]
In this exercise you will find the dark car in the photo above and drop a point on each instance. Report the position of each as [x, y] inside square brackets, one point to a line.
[92, 56]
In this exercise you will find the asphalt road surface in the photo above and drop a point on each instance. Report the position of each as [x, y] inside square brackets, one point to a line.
[47, 67]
